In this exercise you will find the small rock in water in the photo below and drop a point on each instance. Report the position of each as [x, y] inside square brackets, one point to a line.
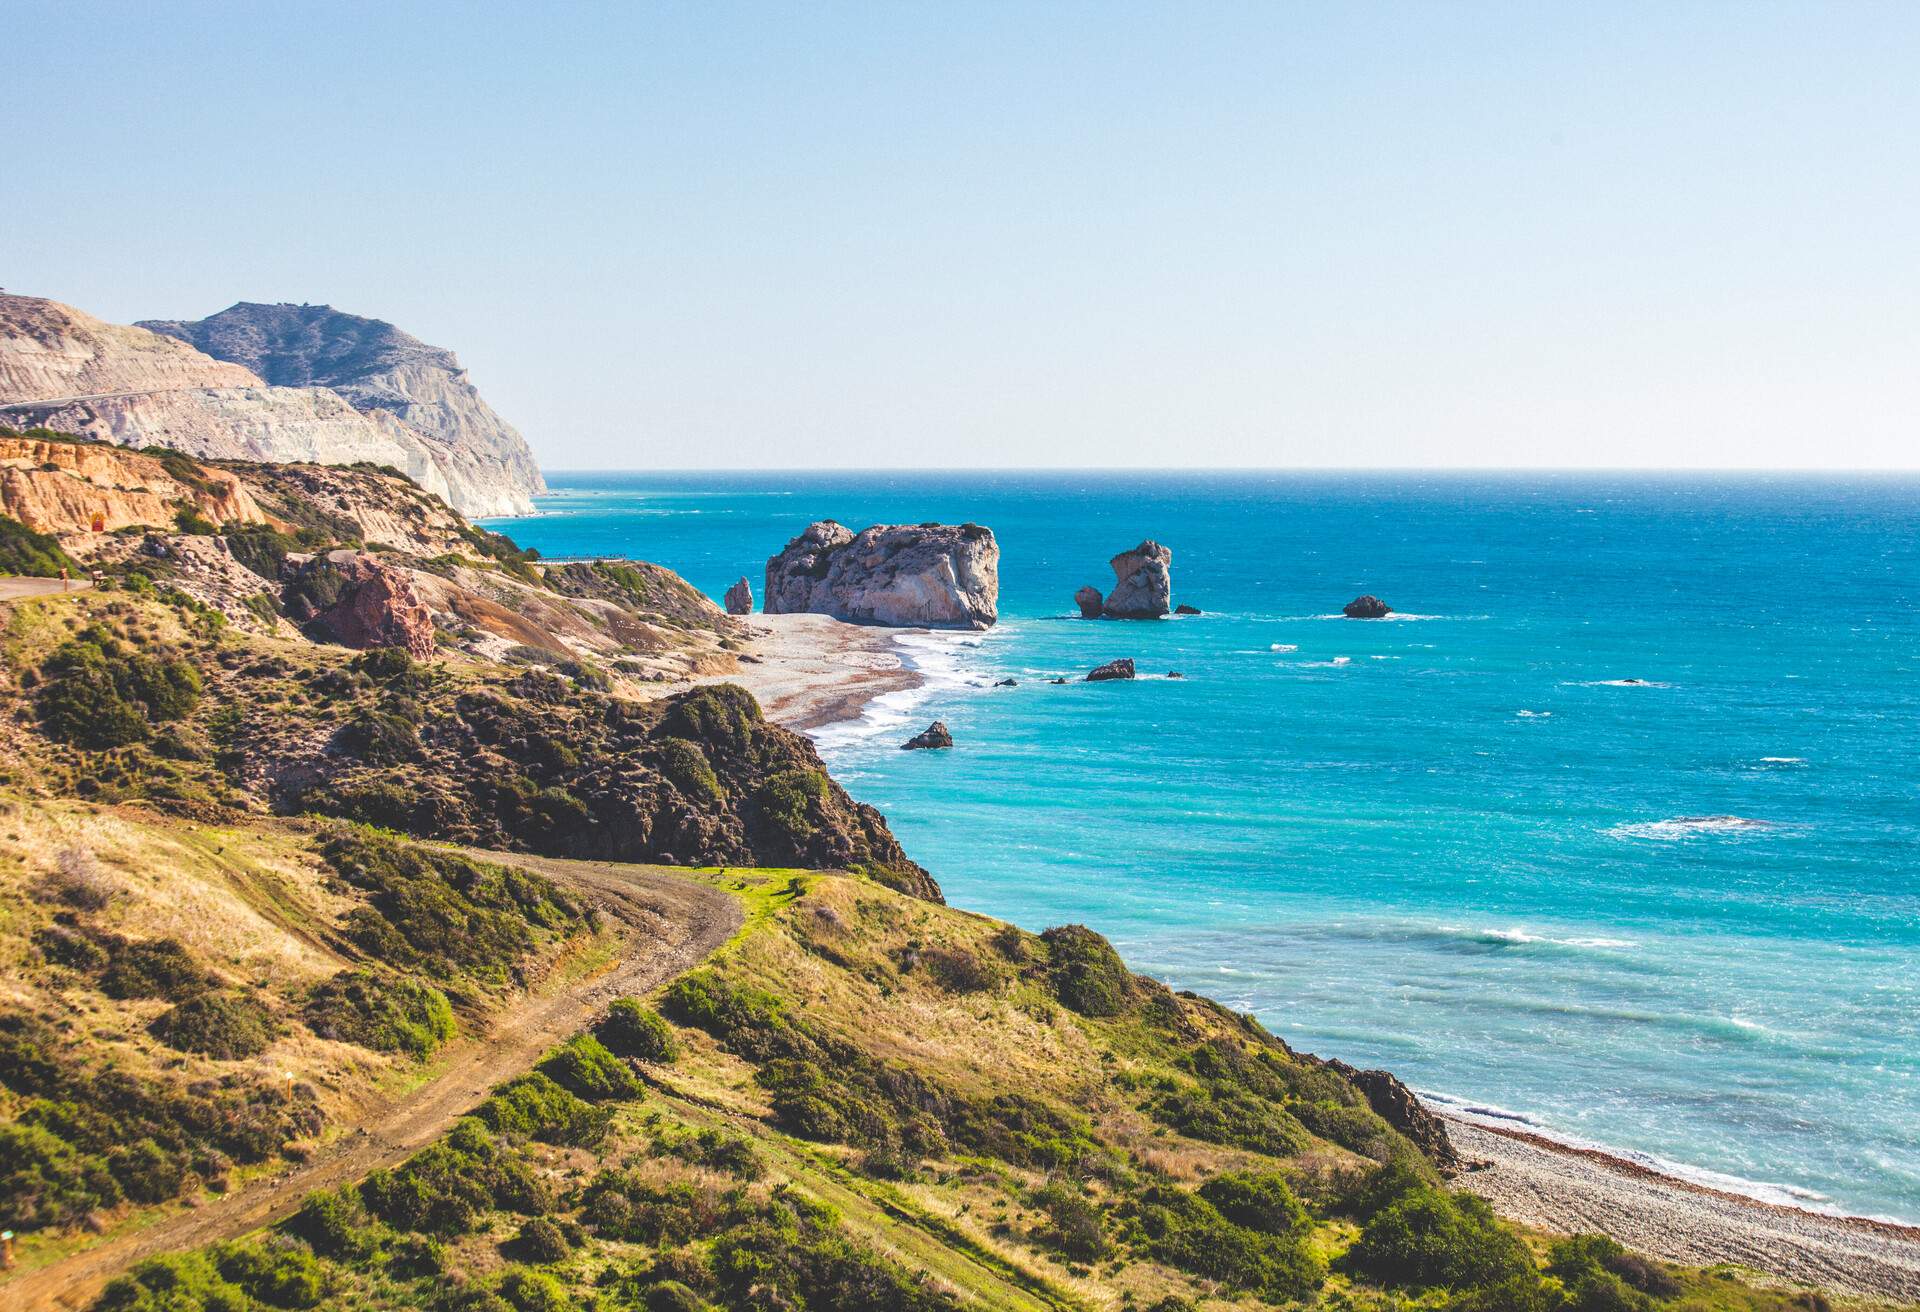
[1057, 681]
[1184, 609]
[1090, 602]
[1368, 607]
[1175, 674]
[1006, 683]
[934, 735]
[1120, 669]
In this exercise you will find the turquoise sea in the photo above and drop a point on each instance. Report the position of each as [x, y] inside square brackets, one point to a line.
[1679, 918]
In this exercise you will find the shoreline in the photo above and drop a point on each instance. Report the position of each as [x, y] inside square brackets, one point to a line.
[1559, 1187]
[811, 671]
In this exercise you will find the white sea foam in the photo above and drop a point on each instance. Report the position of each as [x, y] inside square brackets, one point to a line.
[1693, 826]
[1776, 1192]
[1284, 646]
[1515, 937]
[945, 663]
[1618, 683]
[1533, 715]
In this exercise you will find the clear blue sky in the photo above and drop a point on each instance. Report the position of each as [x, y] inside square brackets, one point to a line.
[1028, 234]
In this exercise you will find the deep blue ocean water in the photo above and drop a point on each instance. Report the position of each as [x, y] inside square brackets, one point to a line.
[1452, 843]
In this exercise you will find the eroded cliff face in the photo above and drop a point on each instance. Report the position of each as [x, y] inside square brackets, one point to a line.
[70, 488]
[940, 576]
[65, 370]
[380, 370]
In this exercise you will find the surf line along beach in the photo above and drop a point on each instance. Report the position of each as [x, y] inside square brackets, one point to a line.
[812, 672]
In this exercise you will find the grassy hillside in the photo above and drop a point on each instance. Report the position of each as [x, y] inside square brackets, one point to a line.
[867, 1101]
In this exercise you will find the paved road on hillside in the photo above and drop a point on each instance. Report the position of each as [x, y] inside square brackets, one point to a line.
[13, 588]
[669, 925]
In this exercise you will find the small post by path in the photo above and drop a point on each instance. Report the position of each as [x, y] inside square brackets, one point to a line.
[6, 1250]
[66, 584]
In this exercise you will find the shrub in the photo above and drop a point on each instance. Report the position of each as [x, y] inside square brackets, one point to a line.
[45, 1182]
[260, 548]
[36, 555]
[335, 1222]
[188, 519]
[1431, 1238]
[957, 970]
[789, 802]
[1088, 975]
[1187, 1232]
[155, 968]
[98, 692]
[1231, 1116]
[282, 1274]
[77, 880]
[381, 1011]
[379, 738]
[1587, 1264]
[225, 1026]
[584, 1065]
[1074, 1225]
[534, 1107]
[633, 1030]
[1259, 1200]
[540, 1241]
[687, 767]
[447, 1187]
[534, 1291]
[720, 1152]
[178, 1282]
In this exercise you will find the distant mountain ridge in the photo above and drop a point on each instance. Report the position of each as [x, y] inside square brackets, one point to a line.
[378, 367]
[399, 401]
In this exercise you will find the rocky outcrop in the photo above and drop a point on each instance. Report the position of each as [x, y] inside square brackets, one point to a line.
[933, 737]
[66, 370]
[88, 488]
[739, 598]
[486, 465]
[1184, 609]
[1368, 607]
[1120, 669]
[1142, 589]
[939, 576]
[1394, 1103]
[358, 600]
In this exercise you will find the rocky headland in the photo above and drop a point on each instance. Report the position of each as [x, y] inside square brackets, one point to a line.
[936, 576]
[405, 405]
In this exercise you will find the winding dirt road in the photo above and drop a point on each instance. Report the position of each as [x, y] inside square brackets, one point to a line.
[671, 924]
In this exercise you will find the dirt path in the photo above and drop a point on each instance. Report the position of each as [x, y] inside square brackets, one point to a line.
[671, 925]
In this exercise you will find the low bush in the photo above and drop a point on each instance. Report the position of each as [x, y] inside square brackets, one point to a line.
[1187, 1232]
[152, 968]
[958, 971]
[447, 1187]
[277, 1271]
[225, 1026]
[98, 692]
[1087, 974]
[534, 1107]
[634, 1030]
[1258, 1200]
[540, 1241]
[583, 1065]
[381, 1011]
[35, 555]
[718, 1151]
[1430, 1238]
[1074, 1225]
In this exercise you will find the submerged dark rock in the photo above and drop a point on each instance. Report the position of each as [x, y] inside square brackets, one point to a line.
[1120, 669]
[934, 735]
[1184, 609]
[1006, 683]
[1368, 607]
